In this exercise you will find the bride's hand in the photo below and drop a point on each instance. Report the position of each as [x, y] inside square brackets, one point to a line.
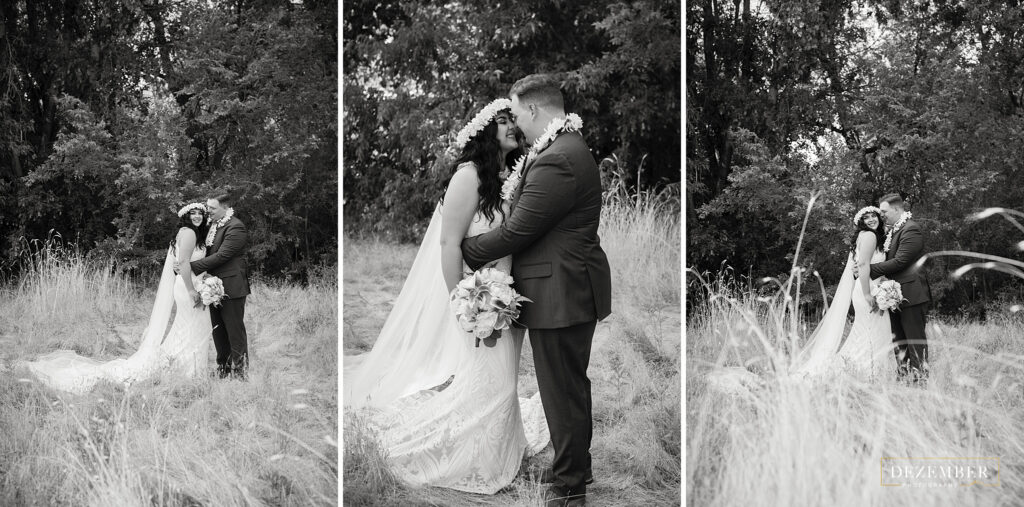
[196, 298]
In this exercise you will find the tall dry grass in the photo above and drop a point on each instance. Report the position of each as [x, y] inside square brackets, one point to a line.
[757, 435]
[634, 369]
[79, 301]
[167, 441]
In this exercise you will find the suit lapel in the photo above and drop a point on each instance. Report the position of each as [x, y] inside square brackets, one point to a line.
[526, 170]
[522, 183]
[218, 237]
[894, 243]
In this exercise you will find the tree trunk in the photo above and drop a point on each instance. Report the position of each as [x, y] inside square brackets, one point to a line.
[48, 128]
[155, 10]
[716, 125]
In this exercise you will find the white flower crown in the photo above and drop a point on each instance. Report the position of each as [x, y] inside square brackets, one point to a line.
[866, 209]
[190, 207]
[479, 122]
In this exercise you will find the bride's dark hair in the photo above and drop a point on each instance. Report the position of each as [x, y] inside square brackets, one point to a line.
[483, 150]
[200, 231]
[861, 226]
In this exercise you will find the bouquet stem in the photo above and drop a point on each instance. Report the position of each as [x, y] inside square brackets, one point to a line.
[491, 340]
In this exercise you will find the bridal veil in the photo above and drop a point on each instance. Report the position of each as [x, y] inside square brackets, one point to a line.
[418, 347]
[68, 371]
[823, 344]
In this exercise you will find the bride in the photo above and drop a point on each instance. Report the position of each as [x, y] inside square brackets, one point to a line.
[185, 348]
[468, 435]
[867, 351]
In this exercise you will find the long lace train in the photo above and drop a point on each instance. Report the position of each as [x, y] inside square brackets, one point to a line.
[867, 350]
[182, 349]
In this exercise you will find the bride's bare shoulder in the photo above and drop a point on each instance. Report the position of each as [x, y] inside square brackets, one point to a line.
[467, 171]
[866, 237]
[465, 180]
[461, 196]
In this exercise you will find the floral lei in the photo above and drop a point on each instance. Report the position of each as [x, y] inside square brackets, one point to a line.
[571, 123]
[888, 237]
[218, 224]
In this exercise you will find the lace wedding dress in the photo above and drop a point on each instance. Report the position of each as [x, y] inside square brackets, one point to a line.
[867, 351]
[471, 435]
[868, 347]
[182, 350]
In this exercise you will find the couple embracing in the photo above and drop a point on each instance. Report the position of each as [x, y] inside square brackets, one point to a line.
[882, 341]
[205, 282]
[448, 412]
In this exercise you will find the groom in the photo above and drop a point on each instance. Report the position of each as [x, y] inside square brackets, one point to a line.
[904, 246]
[225, 258]
[558, 263]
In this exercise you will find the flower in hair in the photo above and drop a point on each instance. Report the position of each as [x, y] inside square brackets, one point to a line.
[479, 122]
[189, 207]
[866, 209]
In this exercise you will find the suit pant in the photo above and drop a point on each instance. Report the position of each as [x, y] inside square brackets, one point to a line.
[561, 357]
[909, 341]
[229, 336]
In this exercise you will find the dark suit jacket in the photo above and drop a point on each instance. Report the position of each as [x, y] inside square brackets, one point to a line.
[225, 259]
[551, 233]
[906, 248]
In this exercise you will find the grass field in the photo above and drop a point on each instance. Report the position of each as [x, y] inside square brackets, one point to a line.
[167, 441]
[757, 436]
[634, 369]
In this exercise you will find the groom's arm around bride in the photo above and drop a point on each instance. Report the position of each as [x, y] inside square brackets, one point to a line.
[231, 250]
[899, 265]
[551, 232]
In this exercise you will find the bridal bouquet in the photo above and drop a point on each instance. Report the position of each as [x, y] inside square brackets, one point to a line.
[211, 290]
[485, 303]
[888, 295]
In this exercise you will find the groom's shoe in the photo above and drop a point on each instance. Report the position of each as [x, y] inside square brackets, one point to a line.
[556, 496]
[548, 476]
